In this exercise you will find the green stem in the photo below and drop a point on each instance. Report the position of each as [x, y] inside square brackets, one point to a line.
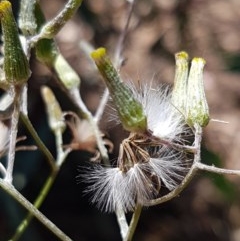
[61, 156]
[134, 222]
[24, 118]
[38, 202]
[54, 26]
[10, 189]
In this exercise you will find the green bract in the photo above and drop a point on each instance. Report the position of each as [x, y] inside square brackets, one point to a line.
[129, 109]
[196, 107]
[15, 65]
[180, 82]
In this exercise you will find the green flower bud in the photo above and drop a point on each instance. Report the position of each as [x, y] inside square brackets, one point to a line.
[48, 53]
[66, 74]
[130, 111]
[54, 111]
[179, 93]
[16, 66]
[197, 108]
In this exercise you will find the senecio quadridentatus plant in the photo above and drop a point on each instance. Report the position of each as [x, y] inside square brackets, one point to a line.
[164, 123]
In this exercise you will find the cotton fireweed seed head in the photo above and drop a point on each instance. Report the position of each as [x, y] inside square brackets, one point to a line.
[146, 161]
[160, 156]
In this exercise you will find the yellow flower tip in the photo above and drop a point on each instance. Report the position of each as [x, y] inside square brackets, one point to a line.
[181, 55]
[4, 5]
[199, 61]
[98, 53]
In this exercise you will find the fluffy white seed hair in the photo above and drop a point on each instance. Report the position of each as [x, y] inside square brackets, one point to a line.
[163, 119]
[110, 188]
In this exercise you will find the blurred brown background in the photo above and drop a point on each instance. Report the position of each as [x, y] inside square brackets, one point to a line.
[209, 209]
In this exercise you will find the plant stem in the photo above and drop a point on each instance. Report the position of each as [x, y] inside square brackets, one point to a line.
[9, 188]
[37, 203]
[122, 222]
[118, 53]
[101, 106]
[217, 170]
[55, 25]
[24, 118]
[13, 135]
[191, 173]
[74, 93]
[134, 222]
[61, 156]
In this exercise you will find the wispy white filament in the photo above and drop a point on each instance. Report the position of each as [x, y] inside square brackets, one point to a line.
[112, 188]
[164, 120]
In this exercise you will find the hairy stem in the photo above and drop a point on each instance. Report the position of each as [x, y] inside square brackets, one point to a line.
[37, 203]
[217, 170]
[13, 135]
[61, 156]
[9, 188]
[54, 26]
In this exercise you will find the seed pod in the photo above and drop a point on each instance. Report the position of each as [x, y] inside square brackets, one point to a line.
[179, 93]
[15, 64]
[130, 111]
[197, 107]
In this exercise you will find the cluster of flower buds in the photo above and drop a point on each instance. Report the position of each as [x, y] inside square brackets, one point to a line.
[159, 120]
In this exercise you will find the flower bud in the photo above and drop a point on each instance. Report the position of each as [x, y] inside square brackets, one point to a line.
[48, 53]
[55, 116]
[179, 92]
[15, 64]
[197, 107]
[130, 111]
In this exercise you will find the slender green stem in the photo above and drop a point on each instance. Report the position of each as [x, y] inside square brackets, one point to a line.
[134, 222]
[54, 26]
[76, 98]
[24, 118]
[38, 202]
[10, 189]
[61, 156]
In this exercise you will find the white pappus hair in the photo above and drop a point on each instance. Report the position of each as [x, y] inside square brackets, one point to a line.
[111, 188]
[144, 163]
[163, 119]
